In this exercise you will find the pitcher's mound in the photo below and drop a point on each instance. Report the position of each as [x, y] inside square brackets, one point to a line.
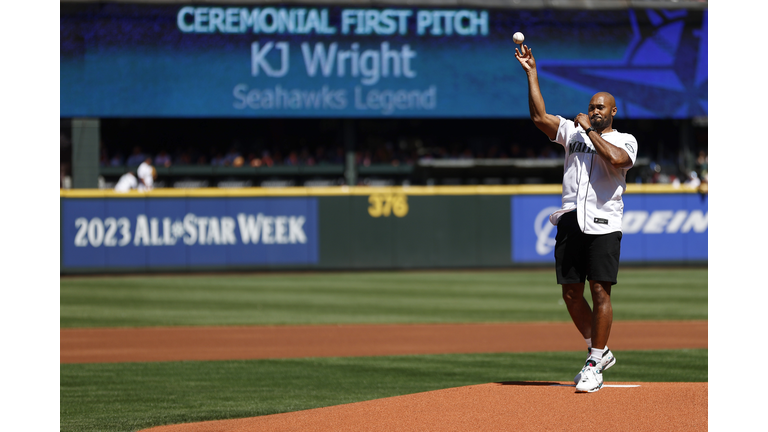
[510, 406]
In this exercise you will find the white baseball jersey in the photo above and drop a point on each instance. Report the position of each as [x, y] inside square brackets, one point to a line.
[591, 185]
[127, 182]
[145, 173]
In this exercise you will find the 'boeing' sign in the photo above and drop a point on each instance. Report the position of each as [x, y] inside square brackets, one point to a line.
[656, 227]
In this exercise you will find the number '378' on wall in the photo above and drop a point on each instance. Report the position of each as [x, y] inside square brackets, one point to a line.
[385, 204]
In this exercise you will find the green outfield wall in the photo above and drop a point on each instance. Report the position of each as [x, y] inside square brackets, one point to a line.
[395, 230]
[354, 228]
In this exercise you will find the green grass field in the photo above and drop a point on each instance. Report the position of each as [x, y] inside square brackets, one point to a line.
[132, 396]
[396, 297]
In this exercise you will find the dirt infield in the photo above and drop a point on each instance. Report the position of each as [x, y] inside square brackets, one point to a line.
[519, 406]
[239, 343]
[514, 406]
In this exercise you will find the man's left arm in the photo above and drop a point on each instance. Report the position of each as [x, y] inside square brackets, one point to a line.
[616, 156]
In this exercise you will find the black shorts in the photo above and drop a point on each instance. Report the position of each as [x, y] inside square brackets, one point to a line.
[580, 257]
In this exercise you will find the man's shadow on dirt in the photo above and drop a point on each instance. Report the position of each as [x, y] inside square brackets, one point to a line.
[534, 383]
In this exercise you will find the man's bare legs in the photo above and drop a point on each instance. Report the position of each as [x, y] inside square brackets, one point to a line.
[602, 313]
[578, 308]
[595, 324]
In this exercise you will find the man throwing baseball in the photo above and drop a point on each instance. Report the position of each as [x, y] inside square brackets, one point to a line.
[588, 240]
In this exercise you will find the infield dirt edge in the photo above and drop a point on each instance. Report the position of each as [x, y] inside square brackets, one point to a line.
[520, 406]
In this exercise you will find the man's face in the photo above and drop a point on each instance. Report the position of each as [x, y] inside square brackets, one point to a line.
[601, 111]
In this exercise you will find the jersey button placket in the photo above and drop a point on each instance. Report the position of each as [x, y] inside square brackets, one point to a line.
[581, 195]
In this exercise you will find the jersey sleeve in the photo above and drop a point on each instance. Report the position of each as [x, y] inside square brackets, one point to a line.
[565, 130]
[144, 171]
[629, 144]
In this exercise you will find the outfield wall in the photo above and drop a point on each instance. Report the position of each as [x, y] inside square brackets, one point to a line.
[356, 228]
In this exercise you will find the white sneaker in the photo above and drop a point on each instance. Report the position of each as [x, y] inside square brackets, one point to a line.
[591, 378]
[607, 361]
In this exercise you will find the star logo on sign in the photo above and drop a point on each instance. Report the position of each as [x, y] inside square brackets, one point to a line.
[177, 229]
[664, 72]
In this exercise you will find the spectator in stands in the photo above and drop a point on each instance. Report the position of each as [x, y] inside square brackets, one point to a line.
[64, 179]
[266, 159]
[126, 182]
[493, 152]
[364, 159]
[693, 180]
[277, 156]
[702, 165]
[103, 157]
[320, 155]
[382, 154]
[65, 161]
[702, 169]
[306, 158]
[185, 158]
[146, 175]
[411, 157]
[232, 154]
[163, 159]
[548, 153]
[219, 159]
[338, 156]
[292, 159]
[253, 160]
[117, 159]
[136, 157]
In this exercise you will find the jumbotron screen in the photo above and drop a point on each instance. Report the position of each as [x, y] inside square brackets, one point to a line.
[149, 60]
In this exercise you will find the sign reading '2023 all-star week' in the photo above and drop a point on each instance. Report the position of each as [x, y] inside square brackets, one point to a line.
[188, 233]
[331, 61]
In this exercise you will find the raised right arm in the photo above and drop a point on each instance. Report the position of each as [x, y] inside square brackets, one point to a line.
[547, 123]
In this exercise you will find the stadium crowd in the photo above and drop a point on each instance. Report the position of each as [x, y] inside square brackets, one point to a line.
[407, 152]
[126, 143]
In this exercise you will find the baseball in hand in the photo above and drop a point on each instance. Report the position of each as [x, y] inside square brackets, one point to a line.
[518, 38]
